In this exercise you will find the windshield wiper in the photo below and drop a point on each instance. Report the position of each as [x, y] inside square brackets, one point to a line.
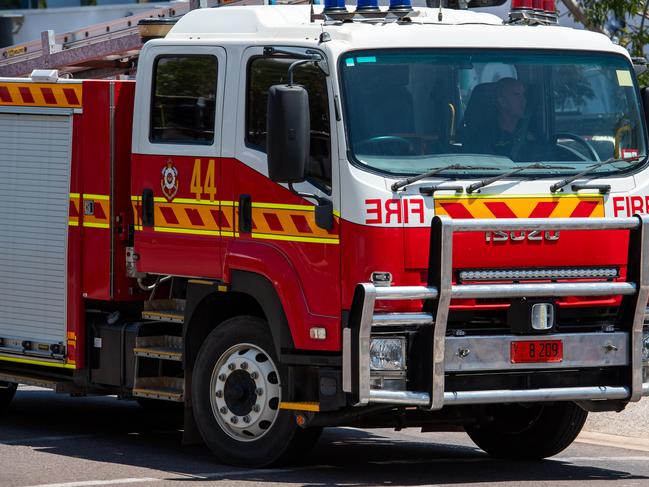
[537, 165]
[564, 182]
[405, 182]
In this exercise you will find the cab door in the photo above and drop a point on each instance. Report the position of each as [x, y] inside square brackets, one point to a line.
[177, 160]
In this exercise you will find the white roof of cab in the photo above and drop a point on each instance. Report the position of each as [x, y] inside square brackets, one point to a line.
[290, 24]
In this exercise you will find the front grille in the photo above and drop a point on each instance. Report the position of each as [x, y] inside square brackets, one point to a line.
[494, 322]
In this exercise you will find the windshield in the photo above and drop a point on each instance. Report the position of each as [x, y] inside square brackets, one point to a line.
[410, 111]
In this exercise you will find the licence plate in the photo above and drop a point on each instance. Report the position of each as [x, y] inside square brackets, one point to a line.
[536, 351]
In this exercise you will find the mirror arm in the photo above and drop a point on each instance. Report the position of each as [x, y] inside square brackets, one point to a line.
[318, 199]
[324, 211]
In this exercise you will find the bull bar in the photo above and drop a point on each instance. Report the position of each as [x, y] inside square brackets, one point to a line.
[440, 290]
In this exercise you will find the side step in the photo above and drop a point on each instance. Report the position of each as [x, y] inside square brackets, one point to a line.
[157, 366]
[164, 388]
[170, 310]
[163, 347]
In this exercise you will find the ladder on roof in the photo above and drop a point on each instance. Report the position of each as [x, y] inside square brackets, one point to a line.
[105, 50]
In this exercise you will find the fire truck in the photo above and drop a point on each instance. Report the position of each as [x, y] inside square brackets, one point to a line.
[300, 216]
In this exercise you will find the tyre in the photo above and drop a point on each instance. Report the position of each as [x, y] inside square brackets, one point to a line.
[7, 393]
[528, 431]
[236, 392]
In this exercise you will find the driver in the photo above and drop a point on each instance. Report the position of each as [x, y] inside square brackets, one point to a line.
[511, 135]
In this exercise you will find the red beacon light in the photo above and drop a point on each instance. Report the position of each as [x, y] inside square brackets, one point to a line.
[533, 12]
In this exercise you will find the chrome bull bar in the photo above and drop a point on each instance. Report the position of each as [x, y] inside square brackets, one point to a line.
[440, 291]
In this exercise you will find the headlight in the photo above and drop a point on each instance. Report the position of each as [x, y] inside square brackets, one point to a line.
[388, 354]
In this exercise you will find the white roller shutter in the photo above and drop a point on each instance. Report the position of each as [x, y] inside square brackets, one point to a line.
[35, 155]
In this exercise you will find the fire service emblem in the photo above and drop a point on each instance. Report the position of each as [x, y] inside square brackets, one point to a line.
[169, 181]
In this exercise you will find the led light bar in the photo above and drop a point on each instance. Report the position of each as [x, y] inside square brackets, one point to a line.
[538, 274]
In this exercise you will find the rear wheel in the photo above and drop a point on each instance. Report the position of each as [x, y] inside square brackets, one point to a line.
[236, 393]
[7, 393]
[529, 431]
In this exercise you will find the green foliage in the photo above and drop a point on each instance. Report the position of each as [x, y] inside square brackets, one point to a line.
[634, 35]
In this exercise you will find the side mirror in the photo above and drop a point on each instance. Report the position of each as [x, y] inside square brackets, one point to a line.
[288, 133]
[644, 93]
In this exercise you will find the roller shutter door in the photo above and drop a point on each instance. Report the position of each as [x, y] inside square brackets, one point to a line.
[35, 155]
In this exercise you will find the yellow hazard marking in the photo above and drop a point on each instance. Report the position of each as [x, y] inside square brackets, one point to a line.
[187, 201]
[292, 238]
[100, 197]
[95, 225]
[55, 95]
[38, 362]
[188, 231]
[300, 406]
[520, 206]
[281, 206]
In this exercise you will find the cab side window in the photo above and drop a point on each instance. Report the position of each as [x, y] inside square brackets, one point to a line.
[183, 101]
[265, 72]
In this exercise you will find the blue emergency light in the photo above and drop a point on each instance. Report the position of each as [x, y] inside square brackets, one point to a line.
[367, 6]
[400, 6]
[334, 6]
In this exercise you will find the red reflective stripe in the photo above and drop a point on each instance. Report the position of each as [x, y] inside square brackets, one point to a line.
[74, 211]
[584, 209]
[301, 224]
[26, 95]
[544, 209]
[273, 222]
[99, 212]
[71, 96]
[500, 209]
[49, 97]
[194, 217]
[456, 210]
[169, 215]
[5, 96]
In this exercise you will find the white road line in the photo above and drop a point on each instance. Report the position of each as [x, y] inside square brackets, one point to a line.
[86, 483]
[615, 441]
[256, 472]
[599, 459]
[41, 439]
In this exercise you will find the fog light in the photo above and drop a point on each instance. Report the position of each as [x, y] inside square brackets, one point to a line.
[388, 354]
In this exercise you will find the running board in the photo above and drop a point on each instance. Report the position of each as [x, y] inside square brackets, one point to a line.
[169, 310]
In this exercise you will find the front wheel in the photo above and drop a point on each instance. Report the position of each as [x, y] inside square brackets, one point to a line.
[528, 431]
[236, 395]
[7, 393]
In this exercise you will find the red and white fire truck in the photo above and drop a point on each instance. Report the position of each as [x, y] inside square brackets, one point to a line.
[300, 217]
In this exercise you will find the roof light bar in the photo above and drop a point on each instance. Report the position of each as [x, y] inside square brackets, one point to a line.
[400, 6]
[366, 6]
[334, 6]
[533, 12]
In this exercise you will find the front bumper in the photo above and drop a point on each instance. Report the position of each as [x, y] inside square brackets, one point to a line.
[620, 349]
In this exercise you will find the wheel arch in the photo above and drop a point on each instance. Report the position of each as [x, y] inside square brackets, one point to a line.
[210, 304]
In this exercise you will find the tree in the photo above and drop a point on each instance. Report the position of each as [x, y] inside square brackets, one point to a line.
[625, 21]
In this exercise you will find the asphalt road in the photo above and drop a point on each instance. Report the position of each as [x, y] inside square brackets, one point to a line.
[58, 441]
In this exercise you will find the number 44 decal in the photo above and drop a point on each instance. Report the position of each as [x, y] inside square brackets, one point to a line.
[197, 187]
